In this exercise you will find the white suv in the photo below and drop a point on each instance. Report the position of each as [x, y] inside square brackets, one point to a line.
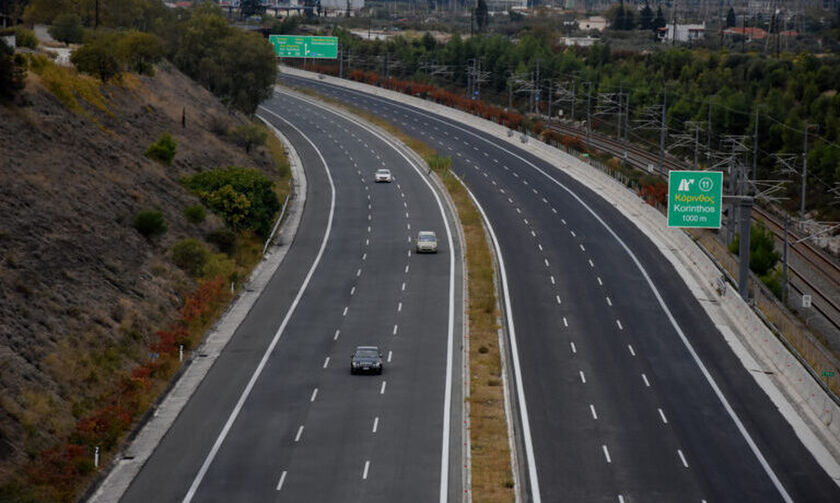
[426, 242]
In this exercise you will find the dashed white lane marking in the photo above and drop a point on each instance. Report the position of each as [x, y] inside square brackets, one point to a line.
[358, 273]
[574, 349]
[525, 220]
[645, 379]
[591, 264]
[299, 433]
[609, 302]
[394, 332]
[409, 253]
[573, 234]
[618, 322]
[534, 234]
[516, 174]
[368, 228]
[606, 453]
[367, 242]
[382, 388]
[399, 307]
[510, 200]
[409, 238]
[335, 337]
[406, 269]
[408, 226]
[389, 357]
[620, 499]
[554, 210]
[545, 260]
[403, 286]
[406, 214]
[518, 210]
[364, 256]
[544, 200]
[346, 308]
[592, 409]
[582, 377]
[375, 424]
[632, 352]
[601, 283]
[539, 246]
[552, 279]
[682, 458]
[582, 248]
[365, 471]
[282, 479]
[565, 323]
[556, 297]
[662, 415]
[564, 221]
[353, 290]
[327, 359]
[314, 394]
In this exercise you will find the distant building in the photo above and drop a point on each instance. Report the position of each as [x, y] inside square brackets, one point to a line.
[682, 32]
[578, 41]
[593, 23]
[749, 32]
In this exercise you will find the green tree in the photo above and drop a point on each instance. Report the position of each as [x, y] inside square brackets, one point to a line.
[730, 18]
[25, 37]
[191, 255]
[658, 21]
[250, 69]
[646, 17]
[162, 150]
[481, 16]
[12, 73]
[67, 28]
[248, 136]
[140, 51]
[99, 57]
[248, 8]
[763, 254]
[150, 223]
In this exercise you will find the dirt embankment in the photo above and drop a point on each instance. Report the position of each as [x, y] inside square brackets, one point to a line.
[82, 293]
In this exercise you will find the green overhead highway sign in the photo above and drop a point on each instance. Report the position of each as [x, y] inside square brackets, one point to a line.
[694, 198]
[828, 373]
[293, 46]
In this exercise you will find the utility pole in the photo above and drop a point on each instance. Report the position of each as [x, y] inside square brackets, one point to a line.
[662, 130]
[550, 95]
[340, 62]
[745, 207]
[755, 146]
[588, 114]
[709, 133]
[574, 87]
[696, 143]
[626, 124]
[804, 173]
[537, 82]
[618, 118]
[785, 262]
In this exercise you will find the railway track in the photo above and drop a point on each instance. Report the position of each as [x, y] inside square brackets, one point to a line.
[823, 302]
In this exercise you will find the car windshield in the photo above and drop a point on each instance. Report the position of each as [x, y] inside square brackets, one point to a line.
[366, 353]
[383, 172]
[427, 237]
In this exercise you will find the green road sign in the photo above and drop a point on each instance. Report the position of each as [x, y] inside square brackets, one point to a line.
[694, 198]
[292, 46]
[828, 373]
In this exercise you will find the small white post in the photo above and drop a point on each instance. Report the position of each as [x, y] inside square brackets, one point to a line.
[96, 457]
[231, 286]
[181, 353]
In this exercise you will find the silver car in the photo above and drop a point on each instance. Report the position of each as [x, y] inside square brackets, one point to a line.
[382, 175]
[426, 242]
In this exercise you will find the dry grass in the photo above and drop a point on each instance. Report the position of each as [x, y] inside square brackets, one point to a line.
[492, 478]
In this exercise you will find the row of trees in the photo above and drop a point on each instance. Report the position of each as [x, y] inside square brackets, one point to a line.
[715, 92]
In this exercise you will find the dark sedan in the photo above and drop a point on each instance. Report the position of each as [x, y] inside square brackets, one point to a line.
[366, 359]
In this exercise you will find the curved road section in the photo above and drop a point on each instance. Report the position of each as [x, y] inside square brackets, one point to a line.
[279, 417]
[632, 392]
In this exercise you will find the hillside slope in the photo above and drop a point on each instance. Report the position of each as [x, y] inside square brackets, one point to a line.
[82, 293]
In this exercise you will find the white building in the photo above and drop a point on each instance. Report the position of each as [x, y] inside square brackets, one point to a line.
[684, 32]
[593, 23]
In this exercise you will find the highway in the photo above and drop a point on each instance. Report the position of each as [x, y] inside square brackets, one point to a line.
[630, 391]
[279, 416]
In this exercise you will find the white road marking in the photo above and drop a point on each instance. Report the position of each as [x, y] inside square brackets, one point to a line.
[557, 297]
[534, 234]
[554, 210]
[632, 352]
[409, 238]
[516, 174]
[539, 246]
[565, 323]
[382, 388]
[352, 290]
[582, 377]
[399, 307]
[314, 394]
[403, 286]
[525, 220]
[662, 415]
[564, 221]
[620, 499]
[618, 322]
[574, 349]
[375, 424]
[594, 414]
[544, 200]
[389, 357]
[609, 302]
[406, 269]
[367, 242]
[546, 261]
[335, 337]
[518, 210]
[591, 264]
[282, 479]
[364, 256]
[299, 433]
[368, 228]
[369, 217]
[327, 359]
[395, 330]
[600, 282]
[606, 453]
[582, 248]
[510, 200]
[346, 308]
[552, 279]
[645, 379]
[365, 472]
[682, 458]
[358, 272]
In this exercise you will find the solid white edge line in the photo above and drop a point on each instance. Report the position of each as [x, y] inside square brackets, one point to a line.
[247, 391]
[732, 414]
[520, 392]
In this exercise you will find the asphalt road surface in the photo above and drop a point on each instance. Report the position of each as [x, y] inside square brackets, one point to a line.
[632, 393]
[279, 416]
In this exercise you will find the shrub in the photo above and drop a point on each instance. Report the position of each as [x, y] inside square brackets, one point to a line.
[98, 57]
[150, 223]
[163, 150]
[191, 255]
[12, 73]
[763, 255]
[249, 135]
[25, 37]
[140, 51]
[195, 214]
[243, 197]
[67, 28]
[224, 239]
